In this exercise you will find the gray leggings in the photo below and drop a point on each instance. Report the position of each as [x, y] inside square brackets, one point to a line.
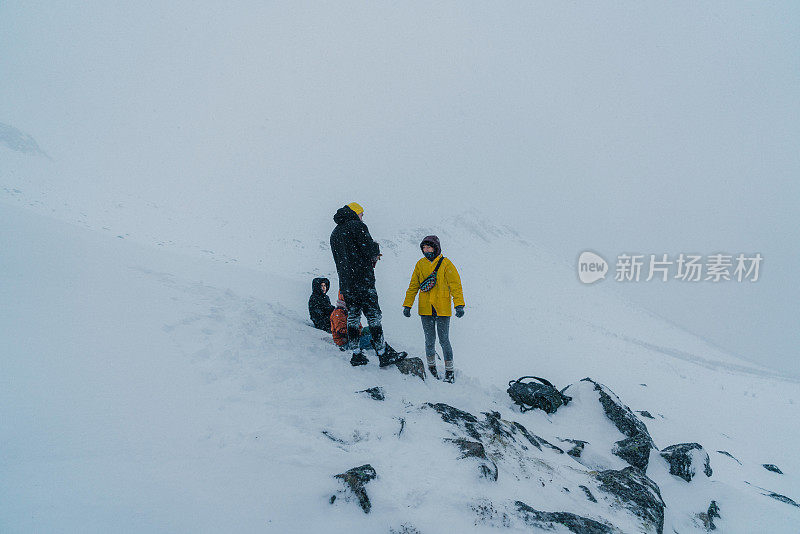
[432, 324]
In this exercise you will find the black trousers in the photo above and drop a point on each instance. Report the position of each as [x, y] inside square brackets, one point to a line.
[363, 301]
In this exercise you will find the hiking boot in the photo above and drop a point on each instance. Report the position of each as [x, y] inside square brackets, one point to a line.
[432, 371]
[390, 356]
[358, 359]
[449, 377]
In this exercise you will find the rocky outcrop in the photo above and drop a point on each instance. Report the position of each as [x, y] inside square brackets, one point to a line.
[685, 459]
[577, 447]
[548, 520]
[635, 448]
[475, 449]
[709, 515]
[782, 498]
[355, 479]
[589, 494]
[638, 493]
[376, 393]
[412, 366]
[464, 420]
[772, 467]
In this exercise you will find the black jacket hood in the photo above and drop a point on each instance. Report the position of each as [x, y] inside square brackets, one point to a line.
[316, 285]
[345, 214]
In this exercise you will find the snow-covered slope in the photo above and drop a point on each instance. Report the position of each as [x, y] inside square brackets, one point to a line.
[144, 391]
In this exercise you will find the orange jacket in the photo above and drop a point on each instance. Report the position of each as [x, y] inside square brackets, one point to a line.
[339, 326]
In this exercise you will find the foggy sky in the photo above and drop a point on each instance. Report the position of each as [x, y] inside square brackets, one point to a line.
[635, 127]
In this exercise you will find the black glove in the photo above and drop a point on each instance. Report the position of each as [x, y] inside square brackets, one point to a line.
[406, 311]
[459, 311]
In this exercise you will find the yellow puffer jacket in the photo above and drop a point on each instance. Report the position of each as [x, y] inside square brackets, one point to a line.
[448, 283]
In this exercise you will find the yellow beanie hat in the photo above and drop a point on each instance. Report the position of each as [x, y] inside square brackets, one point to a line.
[356, 207]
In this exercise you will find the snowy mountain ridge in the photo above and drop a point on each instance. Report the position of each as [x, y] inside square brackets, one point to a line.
[145, 391]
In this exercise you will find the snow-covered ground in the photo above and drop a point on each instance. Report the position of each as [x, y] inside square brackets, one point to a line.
[153, 390]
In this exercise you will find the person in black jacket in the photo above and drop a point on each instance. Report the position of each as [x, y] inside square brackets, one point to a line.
[319, 304]
[355, 254]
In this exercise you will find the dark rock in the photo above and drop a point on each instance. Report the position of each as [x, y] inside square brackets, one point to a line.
[469, 449]
[498, 427]
[332, 437]
[524, 431]
[782, 498]
[474, 449]
[454, 416]
[577, 448]
[588, 493]
[489, 470]
[634, 450]
[619, 414]
[681, 460]
[412, 366]
[486, 513]
[645, 413]
[508, 430]
[773, 468]
[637, 492]
[726, 453]
[549, 445]
[405, 528]
[376, 393]
[713, 510]
[709, 515]
[355, 479]
[402, 426]
[547, 520]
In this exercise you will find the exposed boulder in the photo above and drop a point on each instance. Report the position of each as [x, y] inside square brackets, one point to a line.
[355, 479]
[772, 467]
[493, 439]
[464, 420]
[412, 366]
[709, 515]
[469, 449]
[685, 458]
[577, 446]
[588, 493]
[492, 428]
[635, 449]
[645, 413]
[475, 449]
[638, 494]
[548, 520]
[376, 393]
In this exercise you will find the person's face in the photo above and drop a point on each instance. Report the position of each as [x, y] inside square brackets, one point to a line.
[324, 287]
[426, 249]
[361, 216]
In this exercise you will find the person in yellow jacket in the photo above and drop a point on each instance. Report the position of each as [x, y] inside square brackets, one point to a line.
[434, 304]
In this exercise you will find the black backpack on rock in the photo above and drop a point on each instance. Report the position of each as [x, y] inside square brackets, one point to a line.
[530, 395]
